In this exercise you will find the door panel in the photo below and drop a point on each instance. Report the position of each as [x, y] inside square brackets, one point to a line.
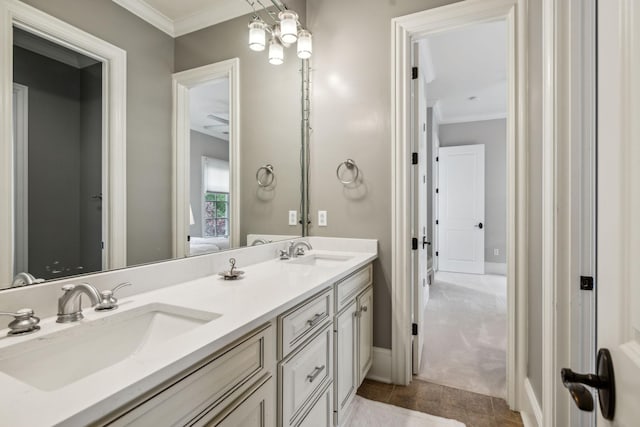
[346, 375]
[461, 209]
[618, 294]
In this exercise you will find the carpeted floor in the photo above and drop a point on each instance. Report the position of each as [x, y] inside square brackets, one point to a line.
[367, 413]
[466, 333]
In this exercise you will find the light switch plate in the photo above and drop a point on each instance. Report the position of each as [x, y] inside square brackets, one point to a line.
[293, 217]
[322, 218]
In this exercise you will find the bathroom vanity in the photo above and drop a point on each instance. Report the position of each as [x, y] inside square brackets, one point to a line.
[286, 345]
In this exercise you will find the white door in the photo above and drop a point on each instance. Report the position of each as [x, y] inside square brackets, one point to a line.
[618, 271]
[461, 209]
[420, 292]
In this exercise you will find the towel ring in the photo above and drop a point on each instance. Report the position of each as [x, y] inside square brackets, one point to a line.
[268, 170]
[351, 165]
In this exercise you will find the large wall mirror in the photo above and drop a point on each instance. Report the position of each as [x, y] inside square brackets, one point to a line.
[100, 171]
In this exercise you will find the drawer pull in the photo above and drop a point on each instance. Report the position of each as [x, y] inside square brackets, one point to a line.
[313, 375]
[315, 320]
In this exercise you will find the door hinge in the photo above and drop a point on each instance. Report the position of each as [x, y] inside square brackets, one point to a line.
[437, 190]
[437, 222]
[586, 283]
[437, 253]
[101, 245]
[414, 158]
[414, 244]
[414, 329]
[437, 158]
[414, 73]
[188, 238]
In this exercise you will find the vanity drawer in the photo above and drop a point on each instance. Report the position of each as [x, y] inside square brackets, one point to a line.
[226, 375]
[303, 321]
[350, 286]
[304, 374]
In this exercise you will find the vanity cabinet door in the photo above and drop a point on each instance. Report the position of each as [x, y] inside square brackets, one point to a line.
[254, 409]
[346, 342]
[365, 333]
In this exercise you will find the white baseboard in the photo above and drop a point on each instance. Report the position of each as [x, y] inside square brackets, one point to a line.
[532, 414]
[381, 366]
[499, 268]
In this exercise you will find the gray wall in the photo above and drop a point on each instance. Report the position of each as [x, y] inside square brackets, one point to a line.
[269, 124]
[493, 134]
[534, 309]
[351, 113]
[202, 145]
[149, 68]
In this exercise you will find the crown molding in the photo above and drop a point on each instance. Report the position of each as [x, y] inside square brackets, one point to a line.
[148, 13]
[446, 120]
[219, 12]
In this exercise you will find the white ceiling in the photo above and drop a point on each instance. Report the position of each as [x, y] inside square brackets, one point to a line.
[468, 68]
[209, 108]
[177, 18]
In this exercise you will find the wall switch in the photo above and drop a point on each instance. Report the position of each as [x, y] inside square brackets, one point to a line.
[322, 218]
[293, 217]
[496, 251]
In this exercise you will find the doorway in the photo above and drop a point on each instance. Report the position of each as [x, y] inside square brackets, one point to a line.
[206, 192]
[462, 325]
[407, 30]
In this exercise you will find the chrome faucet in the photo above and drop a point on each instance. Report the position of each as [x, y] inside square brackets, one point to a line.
[70, 305]
[295, 248]
[23, 279]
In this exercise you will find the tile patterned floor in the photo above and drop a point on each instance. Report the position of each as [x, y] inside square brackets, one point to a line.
[475, 410]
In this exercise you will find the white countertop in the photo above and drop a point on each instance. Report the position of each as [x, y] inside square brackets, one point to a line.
[266, 290]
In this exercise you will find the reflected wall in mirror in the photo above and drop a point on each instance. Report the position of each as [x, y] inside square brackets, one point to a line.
[141, 230]
[58, 159]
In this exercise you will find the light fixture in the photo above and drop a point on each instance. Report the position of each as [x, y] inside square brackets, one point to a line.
[276, 52]
[283, 28]
[257, 34]
[288, 26]
[305, 45]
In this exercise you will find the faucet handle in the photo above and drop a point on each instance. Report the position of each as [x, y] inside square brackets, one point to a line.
[108, 301]
[24, 322]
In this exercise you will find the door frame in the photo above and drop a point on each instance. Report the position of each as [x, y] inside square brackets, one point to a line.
[114, 127]
[21, 185]
[404, 30]
[182, 82]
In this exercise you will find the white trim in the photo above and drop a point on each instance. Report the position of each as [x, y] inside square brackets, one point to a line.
[381, 365]
[499, 268]
[472, 118]
[114, 59]
[404, 29]
[182, 82]
[21, 190]
[533, 406]
[146, 12]
[219, 11]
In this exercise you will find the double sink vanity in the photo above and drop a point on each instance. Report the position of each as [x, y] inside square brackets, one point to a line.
[287, 344]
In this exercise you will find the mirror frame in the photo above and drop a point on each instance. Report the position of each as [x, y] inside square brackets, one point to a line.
[17, 14]
[182, 82]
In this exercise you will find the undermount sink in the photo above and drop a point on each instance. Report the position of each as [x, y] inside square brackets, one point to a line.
[49, 362]
[321, 260]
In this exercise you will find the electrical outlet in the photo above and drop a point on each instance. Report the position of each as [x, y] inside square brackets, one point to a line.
[293, 217]
[322, 218]
[496, 251]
